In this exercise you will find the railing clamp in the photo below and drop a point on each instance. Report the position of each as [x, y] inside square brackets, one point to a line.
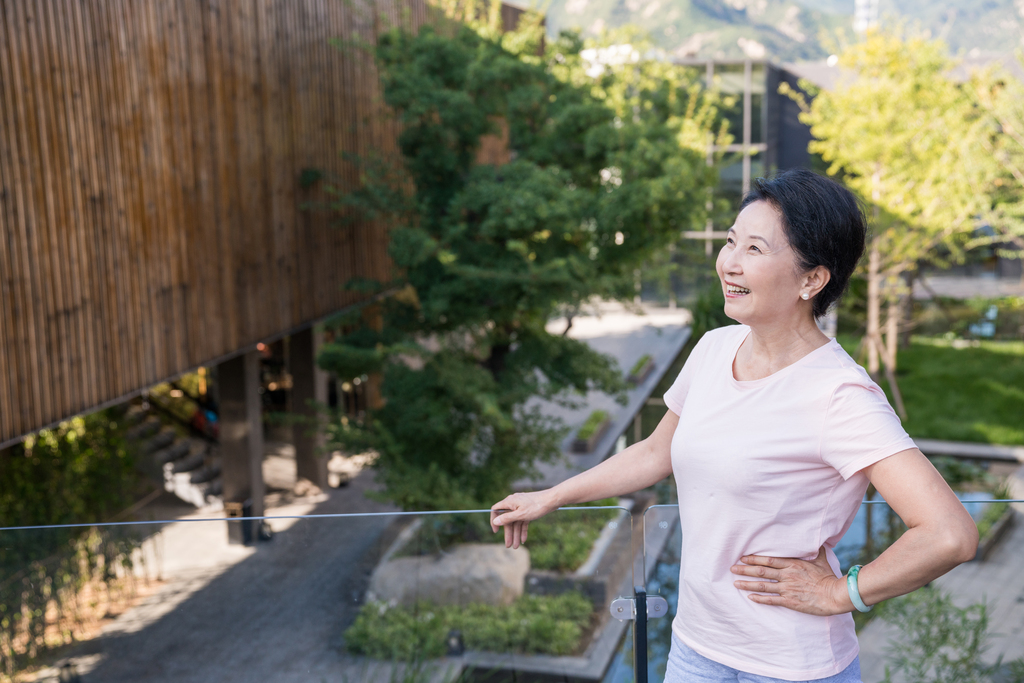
[625, 608]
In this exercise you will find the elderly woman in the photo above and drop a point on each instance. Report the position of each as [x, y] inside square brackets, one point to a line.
[773, 434]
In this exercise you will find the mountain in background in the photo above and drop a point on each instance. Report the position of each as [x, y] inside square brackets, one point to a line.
[787, 30]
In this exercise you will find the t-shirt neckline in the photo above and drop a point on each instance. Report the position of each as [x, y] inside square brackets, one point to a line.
[752, 383]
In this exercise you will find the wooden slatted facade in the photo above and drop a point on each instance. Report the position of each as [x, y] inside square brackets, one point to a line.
[151, 214]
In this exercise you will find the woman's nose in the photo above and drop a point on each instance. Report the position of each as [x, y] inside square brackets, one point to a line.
[730, 263]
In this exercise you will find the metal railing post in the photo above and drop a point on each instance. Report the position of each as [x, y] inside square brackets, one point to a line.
[640, 635]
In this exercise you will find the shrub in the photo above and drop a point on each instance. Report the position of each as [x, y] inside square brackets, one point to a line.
[937, 641]
[640, 364]
[533, 624]
[595, 420]
[560, 542]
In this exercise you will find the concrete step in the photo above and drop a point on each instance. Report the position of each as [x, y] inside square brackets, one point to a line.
[208, 472]
[134, 415]
[194, 476]
[148, 427]
[178, 449]
[162, 439]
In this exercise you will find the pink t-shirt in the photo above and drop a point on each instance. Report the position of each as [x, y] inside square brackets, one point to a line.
[770, 467]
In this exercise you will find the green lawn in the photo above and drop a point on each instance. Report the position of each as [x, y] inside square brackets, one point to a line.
[974, 393]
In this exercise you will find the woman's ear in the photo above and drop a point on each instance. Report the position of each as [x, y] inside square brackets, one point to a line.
[816, 279]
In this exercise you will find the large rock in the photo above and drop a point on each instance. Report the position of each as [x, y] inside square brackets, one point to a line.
[472, 572]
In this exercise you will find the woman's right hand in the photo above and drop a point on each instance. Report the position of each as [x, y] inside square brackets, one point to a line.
[515, 513]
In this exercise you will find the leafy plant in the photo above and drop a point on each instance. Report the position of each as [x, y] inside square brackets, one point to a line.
[533, 624]
[640, 363]
[561, 541]
[78, 472]
[936, 641]
[592, 423]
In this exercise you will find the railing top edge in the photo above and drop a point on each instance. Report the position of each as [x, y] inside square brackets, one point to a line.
[337, 515]
[869, 502]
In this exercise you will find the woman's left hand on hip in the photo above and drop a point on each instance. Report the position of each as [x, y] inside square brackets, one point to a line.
[805, 586]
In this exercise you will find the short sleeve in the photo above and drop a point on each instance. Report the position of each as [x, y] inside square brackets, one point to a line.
[860, 429]
[675, 397]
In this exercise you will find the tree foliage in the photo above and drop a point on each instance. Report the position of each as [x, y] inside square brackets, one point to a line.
[904, 136]
[602, 173]
[1000, 98]
[79, 472]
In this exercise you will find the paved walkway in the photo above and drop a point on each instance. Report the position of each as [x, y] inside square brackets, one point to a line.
[274, 611]
[962, 287]
[964, 449]
[661, 332]
[999, 581]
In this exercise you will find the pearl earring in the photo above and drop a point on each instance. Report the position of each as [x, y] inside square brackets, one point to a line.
[804, 295]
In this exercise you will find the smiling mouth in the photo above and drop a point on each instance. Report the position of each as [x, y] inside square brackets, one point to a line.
[733, 289]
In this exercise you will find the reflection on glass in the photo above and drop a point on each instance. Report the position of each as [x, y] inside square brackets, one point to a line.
[340, 597]
[971, 608]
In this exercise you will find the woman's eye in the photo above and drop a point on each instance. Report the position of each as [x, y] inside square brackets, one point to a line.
[755, 249]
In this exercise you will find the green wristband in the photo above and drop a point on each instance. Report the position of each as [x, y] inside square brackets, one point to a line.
[851, 588]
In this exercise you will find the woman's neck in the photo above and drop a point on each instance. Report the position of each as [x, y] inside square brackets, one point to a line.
[768, 349]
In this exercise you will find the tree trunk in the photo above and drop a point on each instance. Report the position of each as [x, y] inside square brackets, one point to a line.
[373, 318]
[907, 315]
[874, 308]
[495, 363]
[892, 327]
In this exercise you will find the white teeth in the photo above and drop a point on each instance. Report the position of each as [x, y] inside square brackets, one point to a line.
[732, 289]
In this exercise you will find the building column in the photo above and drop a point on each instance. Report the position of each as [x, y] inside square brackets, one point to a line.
[241, 442]
[309, 386]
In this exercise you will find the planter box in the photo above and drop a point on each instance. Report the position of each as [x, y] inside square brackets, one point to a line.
[994, 535]
[637, 378]
[587, 445]
[614, 542]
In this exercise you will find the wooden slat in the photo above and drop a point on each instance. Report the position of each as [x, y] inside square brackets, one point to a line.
[221, 112]
[8, 218]
[39, 381]
[73, 135]
[122, 286]
[149, 199]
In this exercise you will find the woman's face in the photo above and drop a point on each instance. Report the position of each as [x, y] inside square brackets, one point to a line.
[758, 269]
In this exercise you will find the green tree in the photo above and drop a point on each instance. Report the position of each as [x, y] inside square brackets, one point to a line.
[904, 136]
[81, 471]
[605, 170]
[1000, 96]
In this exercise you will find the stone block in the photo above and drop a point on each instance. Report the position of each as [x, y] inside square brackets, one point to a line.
[470, 572]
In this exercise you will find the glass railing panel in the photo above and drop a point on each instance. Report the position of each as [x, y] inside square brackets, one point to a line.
[377, 597]
[978, 607]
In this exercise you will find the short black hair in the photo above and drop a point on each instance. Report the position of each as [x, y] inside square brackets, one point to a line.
[823, 221]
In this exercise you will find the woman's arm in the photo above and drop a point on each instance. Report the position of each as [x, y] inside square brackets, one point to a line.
[940, 532]
[940, 535]
[641, 465]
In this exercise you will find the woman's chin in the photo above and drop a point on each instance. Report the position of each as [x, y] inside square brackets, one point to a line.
[734, 307]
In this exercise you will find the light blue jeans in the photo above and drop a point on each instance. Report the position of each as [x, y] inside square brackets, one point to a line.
[686, 666]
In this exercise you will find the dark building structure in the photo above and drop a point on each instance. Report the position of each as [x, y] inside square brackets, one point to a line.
[764, 124]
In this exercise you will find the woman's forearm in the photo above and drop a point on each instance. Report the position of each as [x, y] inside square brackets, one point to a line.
[941, 533]
[920, 556]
